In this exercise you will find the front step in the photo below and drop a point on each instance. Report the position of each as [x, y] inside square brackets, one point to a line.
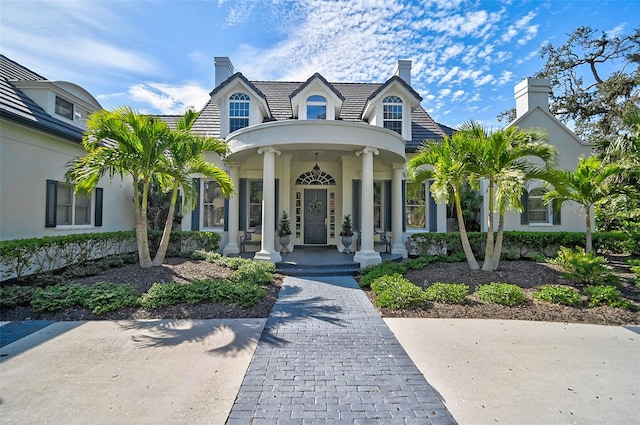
[292, 269]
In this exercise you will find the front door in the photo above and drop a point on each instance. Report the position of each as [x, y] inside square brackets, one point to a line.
[315, 216]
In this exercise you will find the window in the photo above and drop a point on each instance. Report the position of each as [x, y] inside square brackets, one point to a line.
[213, 205]
[537, 211]
[415, 208]
[255, 203]
[64, 108]
[316, 108]
[392, 113]
[65, 208]
[238, 111]
[377, 205]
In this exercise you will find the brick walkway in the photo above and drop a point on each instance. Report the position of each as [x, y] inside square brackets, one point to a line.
[326, 357]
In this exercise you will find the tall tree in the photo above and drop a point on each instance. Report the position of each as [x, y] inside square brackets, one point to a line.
[587, 185]
[185, 156]
[446, 162]
[506, 159]
[125, 143]
[595, 79]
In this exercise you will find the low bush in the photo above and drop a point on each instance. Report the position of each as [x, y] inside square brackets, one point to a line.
[607, 294]
[558, 294]
[14, 295]
[400, 294]
[254, 272]
[106, 297]
[585, 267]
[383, 283]
[371, 273]
[635, 269]
[451, 293]
[500, 293]
[101, 298]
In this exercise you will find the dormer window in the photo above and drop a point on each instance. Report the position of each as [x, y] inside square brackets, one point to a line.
[316, 107]
[238, 111]
[392, 113]
[64, 108]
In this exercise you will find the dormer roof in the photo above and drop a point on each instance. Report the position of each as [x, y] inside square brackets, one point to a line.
[318, 81]
[240, 79]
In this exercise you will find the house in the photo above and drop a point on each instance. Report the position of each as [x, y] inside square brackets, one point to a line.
[41, 127]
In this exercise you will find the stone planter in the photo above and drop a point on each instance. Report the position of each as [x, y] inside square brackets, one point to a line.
[347, 241]
[284, 242]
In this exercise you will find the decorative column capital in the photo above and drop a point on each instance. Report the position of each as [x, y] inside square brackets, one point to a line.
[368, 149]
[269, 149]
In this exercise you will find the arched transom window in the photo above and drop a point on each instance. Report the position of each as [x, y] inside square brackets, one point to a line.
[311, 178]
[238, 111]
[316, 107]
[392, 113]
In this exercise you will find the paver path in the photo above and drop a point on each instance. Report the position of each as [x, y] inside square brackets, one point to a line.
[326, 357]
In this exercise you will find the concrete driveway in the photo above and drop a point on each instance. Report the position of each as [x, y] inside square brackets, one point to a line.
[515, 372]
[133, 372]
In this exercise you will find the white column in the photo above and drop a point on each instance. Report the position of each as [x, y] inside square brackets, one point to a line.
[397, 212]
[267, 251]
[367, 255]
[234, 206]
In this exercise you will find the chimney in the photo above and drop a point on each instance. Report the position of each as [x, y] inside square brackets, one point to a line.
[531, 93]
[403, 70]
[223, 69]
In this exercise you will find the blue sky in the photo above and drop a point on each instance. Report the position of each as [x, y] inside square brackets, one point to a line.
[157, 56]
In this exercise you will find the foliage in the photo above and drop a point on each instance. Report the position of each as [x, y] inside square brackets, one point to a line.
[635, 269]
[452, 293]
[284, 226]
[585, 267]
[15, 295]
[254, 272]
[382, 283]
[371, 273]
[347, 228]
[558, 294]
[209, 290]
[105, 297]
[607, 294]
[101, 298]
[471, 203]
[158, 207]
[500, 293]
[424, 260]
[594, 80]
[398, 293]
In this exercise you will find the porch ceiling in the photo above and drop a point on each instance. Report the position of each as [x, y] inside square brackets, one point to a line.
[299, 138]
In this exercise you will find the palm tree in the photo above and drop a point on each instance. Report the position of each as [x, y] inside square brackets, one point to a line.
[505, 159]
[587, 185]
[123, 142]
[185, 152]
[449, 170]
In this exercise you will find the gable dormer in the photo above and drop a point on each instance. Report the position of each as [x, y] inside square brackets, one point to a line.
[390, 106]
[241, 104]
[316, 99]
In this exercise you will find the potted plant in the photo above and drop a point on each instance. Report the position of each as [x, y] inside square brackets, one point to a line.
[284, 231]
[347, 233]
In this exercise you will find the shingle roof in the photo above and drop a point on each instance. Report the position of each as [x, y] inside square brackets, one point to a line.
[278, 96]
[18, 107]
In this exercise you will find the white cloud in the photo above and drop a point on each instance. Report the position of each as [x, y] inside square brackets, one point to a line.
[505, 77]
[169, 99]
[484, 80]
[457, 95]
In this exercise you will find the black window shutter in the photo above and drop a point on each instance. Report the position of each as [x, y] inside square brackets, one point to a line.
[557, 215]
[226, 214]
[277, 188]
[433, 209]
[242, 204]
[195, 214]
[404, 204]
[355, 219]
[387, 205]
[51, 204]
[524, 216]
[98, 205]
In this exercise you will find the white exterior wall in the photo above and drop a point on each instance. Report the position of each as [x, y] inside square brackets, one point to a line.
[27, 159]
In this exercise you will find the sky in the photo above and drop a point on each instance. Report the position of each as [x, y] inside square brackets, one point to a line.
[157, 55]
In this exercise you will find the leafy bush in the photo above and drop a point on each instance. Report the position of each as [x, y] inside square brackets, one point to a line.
[399, 293]
[583, 266]
[452, 293]
[15, 295]
[101, 298]
[635, 269]
[558, 294]
[371, 273]
[383, 283]
[606, 294]
[106, 297]
[500, 293]
[254, 272]
[209, 290]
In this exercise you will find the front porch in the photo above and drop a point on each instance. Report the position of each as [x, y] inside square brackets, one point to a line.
[320, 261]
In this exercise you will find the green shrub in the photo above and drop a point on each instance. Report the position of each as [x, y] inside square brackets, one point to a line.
[635, 269]
[500, 293]
[583, 266]
[558, 294]
[400, 293]
[254, 272]
[452, 293]
[371, 273]
[606, 294]
[420, 263]
[383, 283]
[106, 297]
[58, 297]
[15, 295]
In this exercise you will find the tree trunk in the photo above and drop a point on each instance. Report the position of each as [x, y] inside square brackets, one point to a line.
[166, 234]
[488, 252]
[497, 248]
[145, 257]
[466, 246]
[589, 245]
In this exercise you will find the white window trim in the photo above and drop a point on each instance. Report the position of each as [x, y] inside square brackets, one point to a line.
[202, 209]
[84, 226]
